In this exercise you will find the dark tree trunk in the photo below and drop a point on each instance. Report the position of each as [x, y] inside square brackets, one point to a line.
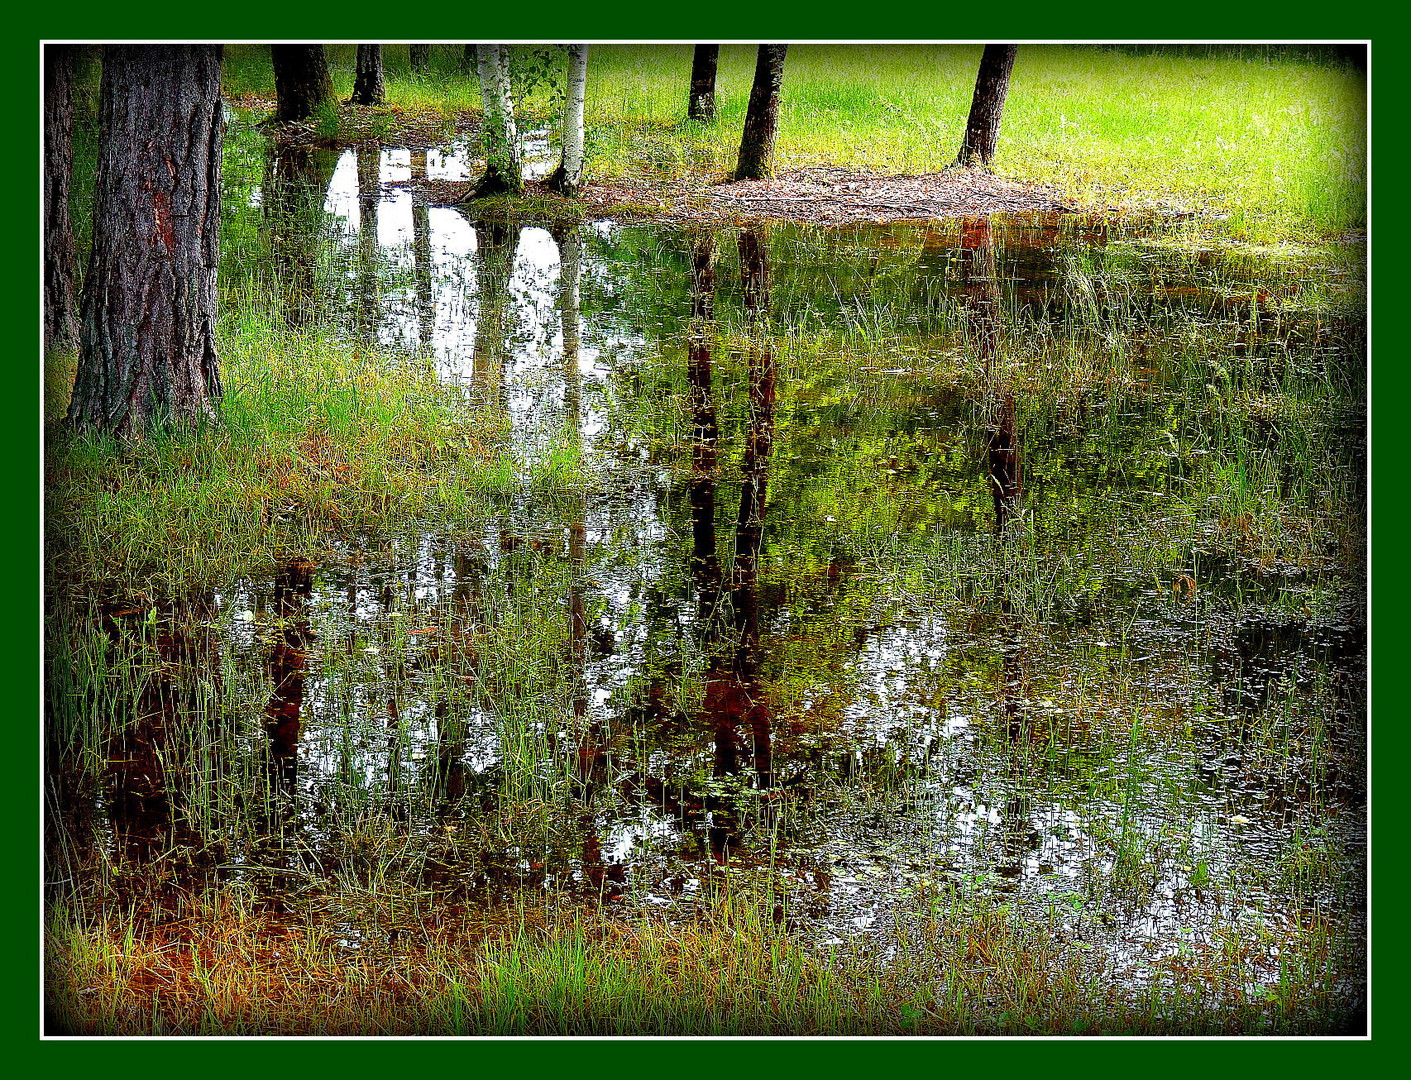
[368, 87]
[757, 144]
[147, 353]
[420, 59]
[301, 81]
[703, 64]
[60, 252]
[987, 106]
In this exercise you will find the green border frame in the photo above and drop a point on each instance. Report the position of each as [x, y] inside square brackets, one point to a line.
[787, 20]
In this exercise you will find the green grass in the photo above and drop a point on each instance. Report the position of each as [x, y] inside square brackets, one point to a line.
[948, 968]
[318, 436]
[1268, 148]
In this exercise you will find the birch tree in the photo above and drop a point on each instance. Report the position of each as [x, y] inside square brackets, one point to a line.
[567, 179]
[504, 173]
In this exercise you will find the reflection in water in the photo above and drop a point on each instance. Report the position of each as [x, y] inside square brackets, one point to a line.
[295, 187]
[369, 252]
[421, 257]
[734, 693]
[288, 663]
[881, 648]
[147, 801]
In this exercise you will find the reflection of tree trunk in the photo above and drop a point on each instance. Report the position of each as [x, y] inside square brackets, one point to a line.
[591, 766]
[421, 254]
[494, 265]
[1004, 471]
[287, 665]
[146, 803]
[984, 304]
[296, 185]
[705, 563]
[734, 693]
[703, 64]
[749, 531]
[369, 192]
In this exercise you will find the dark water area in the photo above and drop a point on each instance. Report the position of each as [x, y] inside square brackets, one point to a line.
[1018, 562]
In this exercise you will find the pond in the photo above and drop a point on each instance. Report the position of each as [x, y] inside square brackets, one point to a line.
[1013, 563]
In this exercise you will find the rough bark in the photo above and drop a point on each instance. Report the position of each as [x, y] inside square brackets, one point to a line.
[756, 159]
[987, 106]
[420, 59]
[147, 353]
[60, 251]
[369, 87]
[504, 173]
[567, 179]
[703, 64]
[302, 84]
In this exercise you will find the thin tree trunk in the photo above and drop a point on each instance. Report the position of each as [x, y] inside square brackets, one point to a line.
[757, 144]
[504, 173]
[987, 106]
[60, 251]
[567, 179]
[420, 57]
[147, 353]
[703, 64]
[302, 84]
[368, 87]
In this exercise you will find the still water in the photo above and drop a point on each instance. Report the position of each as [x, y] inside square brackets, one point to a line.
[1005, 562]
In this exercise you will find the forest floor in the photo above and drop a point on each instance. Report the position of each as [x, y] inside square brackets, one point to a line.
[823, 194]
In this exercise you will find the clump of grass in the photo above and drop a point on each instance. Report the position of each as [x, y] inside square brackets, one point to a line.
[951, 968]
[318, 435]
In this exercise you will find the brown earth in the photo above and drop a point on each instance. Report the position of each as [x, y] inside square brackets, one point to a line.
[823, 194]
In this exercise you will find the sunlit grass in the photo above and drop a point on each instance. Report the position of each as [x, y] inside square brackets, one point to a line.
[1272, 147]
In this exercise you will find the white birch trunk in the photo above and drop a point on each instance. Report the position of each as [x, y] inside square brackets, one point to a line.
[568, 177]
[503, 168]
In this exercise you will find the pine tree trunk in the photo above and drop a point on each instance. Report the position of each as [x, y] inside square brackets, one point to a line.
[987, 106]
[703, 64]
[567, 179]
[60, 252]
[368, 87]
[757, 144]
[420, 57]
[302, 84]
[504, 173]
[147, 353]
